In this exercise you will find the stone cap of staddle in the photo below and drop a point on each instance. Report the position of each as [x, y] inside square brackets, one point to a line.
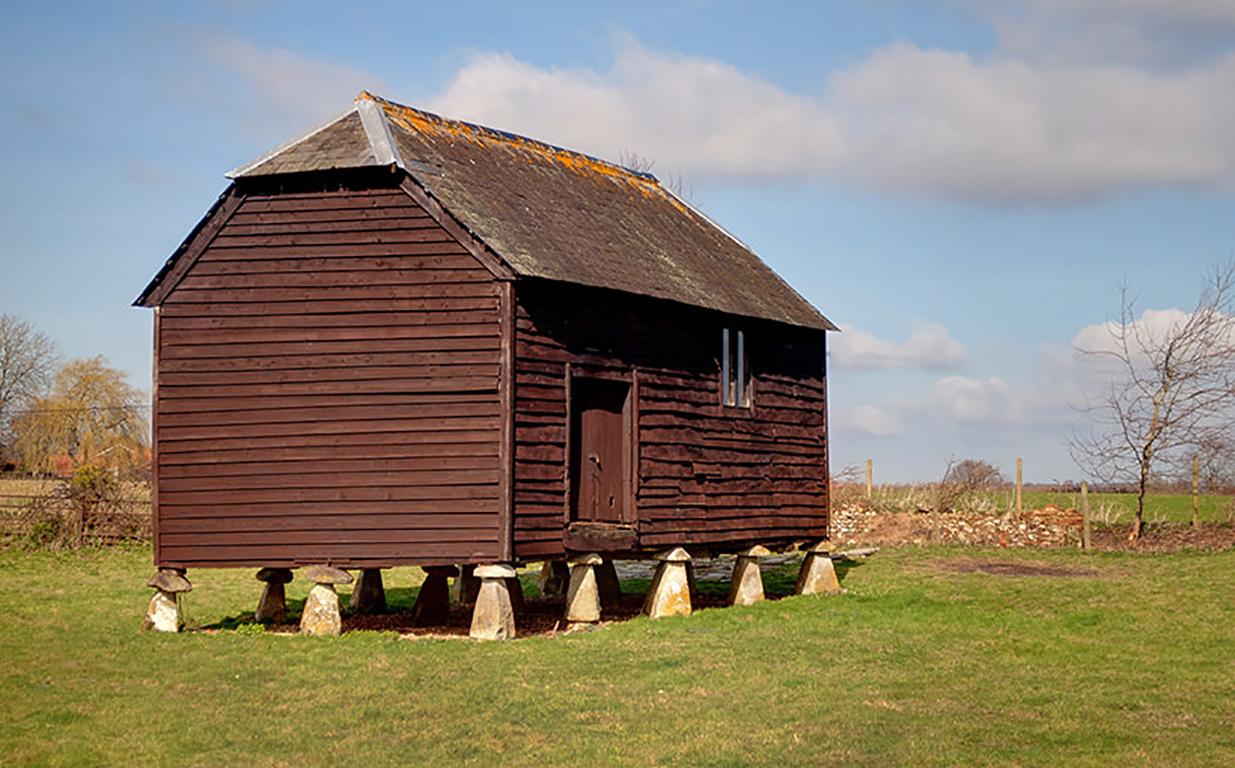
[675, 555]
[591, 558]
[327, 574]
[275, 575]
[820, 548]
[756, 551]
[169, 580]
[497, 571]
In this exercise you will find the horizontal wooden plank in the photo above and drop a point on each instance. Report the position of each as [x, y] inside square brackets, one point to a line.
[326, 216]
[333, 536]
[283, 226]
[372, 436]
[208, 404]
[464, 266]
[392, 276]
[271, 555]
[273, 459]
[372, 293]
[468, 362]
[285, 203]
[444, 425]
[229, 238]
[290, 509]
[338, 495]
[441, 371]
[369, 250]
[328, 307]
[426, 321]
[257, 341]
[330, 466]
[171, 486]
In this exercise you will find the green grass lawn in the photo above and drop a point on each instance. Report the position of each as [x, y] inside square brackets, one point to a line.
[920, 663]
[1121, 507]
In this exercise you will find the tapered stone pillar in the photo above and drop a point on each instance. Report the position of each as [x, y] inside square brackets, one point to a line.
[583, 594]
[272, 607]
[321, 615]
[746, 586]
[609, 586]
[164, 614]
[554, 577]
[493, 618]
[818, 575]
[466, 586]
[432, 606]
[670, 591]
[368, 596]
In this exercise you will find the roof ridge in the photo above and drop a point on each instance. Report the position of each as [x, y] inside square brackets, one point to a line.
[377, 131]
[497, 133]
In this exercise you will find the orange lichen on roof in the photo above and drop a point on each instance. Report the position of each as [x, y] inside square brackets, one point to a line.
[429, 124]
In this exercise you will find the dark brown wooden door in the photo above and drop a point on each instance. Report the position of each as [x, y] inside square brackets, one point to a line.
[600, 450]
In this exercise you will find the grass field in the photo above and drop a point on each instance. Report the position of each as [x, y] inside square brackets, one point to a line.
[1109, 659]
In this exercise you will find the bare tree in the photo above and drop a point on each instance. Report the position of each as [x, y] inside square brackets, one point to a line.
[1172, 388]
[27, 361]
[92, 416]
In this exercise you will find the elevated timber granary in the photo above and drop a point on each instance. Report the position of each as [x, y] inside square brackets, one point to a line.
[407, 340]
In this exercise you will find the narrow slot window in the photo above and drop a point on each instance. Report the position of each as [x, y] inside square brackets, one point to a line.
[726, 378]
[742, 374]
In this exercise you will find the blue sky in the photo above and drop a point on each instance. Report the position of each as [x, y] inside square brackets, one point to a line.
[960, 185]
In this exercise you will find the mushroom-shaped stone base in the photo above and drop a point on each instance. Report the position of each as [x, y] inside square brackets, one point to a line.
[164, 614]
[817, 576]
[321, 610]
[493, 618]
[583, 594]
[272, 607]
[466, 586]
[746, 587]
[368, 596]
[670, 591]
[432, 606]
[554, 577]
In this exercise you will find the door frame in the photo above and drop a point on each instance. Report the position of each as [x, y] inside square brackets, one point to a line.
[630, 434]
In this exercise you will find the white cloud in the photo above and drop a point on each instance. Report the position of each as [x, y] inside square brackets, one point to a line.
[283, 91]
[904, 120]
[928, 347]
[996, 401]
[875, 421]
[1153, 325]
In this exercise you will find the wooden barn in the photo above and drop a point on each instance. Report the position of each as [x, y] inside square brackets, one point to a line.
[406, 340]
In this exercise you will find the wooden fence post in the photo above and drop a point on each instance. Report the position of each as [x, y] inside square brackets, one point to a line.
[1196, 485]
[1020, 477]
[1086, 530]
[870, 479]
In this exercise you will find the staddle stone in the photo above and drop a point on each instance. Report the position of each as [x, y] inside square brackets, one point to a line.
[368, 596]
[272, 607]
[609, 586]
[321, 612]
[163, 613]
[583, 595]
[817, 575]
[669, 594]
[493, 618]
[432, 606]
[746, 586]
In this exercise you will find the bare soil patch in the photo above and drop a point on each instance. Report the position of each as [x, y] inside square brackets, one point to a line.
[1015, 568]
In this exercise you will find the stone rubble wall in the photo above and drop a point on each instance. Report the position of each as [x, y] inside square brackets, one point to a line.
[858, 523]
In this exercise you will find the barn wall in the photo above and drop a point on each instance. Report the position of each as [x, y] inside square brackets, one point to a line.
[327, 389]
[706, 473]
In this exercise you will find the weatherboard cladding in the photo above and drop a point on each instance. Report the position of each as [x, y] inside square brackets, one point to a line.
[328, 389]
[556, 214]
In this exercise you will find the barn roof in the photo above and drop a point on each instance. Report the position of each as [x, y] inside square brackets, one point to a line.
[550, 212]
